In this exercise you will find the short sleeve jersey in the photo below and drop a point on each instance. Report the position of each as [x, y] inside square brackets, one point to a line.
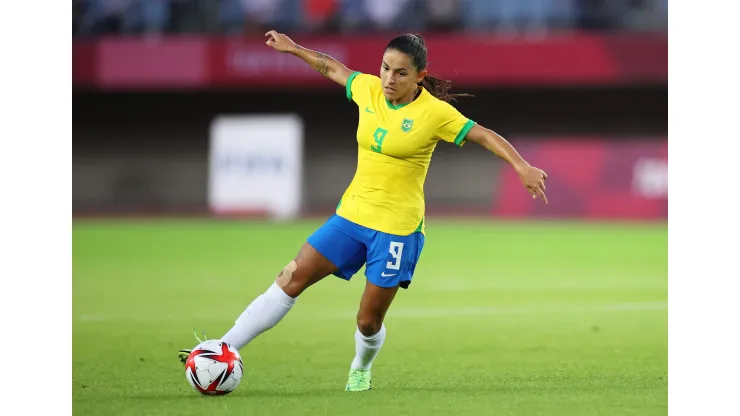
[395, 145]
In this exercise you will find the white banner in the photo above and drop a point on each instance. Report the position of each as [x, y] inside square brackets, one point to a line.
[256, 165]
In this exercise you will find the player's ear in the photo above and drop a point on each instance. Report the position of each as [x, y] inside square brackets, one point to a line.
[420, 76]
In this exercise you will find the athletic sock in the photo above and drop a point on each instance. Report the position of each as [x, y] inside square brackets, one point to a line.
[367, 348]
[262, 314]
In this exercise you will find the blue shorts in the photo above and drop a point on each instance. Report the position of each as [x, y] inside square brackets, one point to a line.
[391, 259]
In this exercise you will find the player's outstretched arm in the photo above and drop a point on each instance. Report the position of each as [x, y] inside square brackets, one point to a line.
[325, 64]
[532, 178]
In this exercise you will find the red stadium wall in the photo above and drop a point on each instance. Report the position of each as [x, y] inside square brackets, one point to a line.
[596, 178]
[470, 60]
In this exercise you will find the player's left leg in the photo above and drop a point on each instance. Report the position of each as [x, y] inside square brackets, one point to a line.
[370, 334]
[391, 264]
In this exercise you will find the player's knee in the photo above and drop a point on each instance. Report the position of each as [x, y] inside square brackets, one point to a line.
[369, 325]
[286, 282]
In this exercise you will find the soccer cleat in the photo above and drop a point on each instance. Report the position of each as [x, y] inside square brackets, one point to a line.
[184, 353]
[359, 380]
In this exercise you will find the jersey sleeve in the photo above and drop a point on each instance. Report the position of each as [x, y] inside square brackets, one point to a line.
[360, 86]
[453, 126]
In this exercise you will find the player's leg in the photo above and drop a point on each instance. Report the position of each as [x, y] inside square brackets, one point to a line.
[332, 249]
[307, 268]
[370, 333]
[391, 264]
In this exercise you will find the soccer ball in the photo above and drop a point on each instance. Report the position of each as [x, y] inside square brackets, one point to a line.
[214, 368]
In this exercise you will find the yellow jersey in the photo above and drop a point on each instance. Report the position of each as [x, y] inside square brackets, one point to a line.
[395, 145]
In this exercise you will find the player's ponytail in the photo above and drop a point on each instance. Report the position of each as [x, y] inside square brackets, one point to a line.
[414, 46]
[440, 88]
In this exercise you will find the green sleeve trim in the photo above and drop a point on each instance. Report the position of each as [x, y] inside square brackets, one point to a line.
[464, 132]
[348, 86]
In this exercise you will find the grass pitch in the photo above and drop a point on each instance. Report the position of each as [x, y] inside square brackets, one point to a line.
[501, 318]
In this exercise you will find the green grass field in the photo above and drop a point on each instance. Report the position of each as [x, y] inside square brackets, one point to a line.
[502, 318]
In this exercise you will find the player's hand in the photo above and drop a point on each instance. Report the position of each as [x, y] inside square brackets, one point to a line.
[280, 42]
[534, 180]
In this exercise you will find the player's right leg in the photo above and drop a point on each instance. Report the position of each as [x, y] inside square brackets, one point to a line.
[269, 308]
[307, 268]
[330, 250]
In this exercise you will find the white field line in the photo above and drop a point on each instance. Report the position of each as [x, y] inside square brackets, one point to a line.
[566, 286]
[529, 309]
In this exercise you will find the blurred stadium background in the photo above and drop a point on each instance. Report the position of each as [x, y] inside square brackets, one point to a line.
[580, 87]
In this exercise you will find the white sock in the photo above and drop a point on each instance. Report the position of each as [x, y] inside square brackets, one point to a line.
[366, 349]
[262, 314]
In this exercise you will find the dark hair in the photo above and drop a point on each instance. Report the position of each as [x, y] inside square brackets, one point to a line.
[414, 46]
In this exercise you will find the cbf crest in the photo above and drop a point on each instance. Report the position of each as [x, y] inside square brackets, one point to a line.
[406, 125]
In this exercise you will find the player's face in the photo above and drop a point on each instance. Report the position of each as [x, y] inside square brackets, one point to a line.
[398, 75]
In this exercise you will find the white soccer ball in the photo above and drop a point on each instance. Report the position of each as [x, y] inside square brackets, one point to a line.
[214, 368]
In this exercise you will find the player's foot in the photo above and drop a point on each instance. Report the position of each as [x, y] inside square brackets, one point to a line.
[359, 380]
[184, 353]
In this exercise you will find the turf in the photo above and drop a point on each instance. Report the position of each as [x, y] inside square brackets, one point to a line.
[502, 318]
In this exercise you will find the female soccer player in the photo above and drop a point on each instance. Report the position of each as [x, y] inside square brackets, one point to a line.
[380, 218]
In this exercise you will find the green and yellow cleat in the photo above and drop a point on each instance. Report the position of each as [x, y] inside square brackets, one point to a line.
[359, 380]
[184, 353]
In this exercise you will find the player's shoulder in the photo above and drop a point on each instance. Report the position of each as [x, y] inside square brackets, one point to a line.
[439, 107]
[370, 77]
[367, 79]
[361, 86]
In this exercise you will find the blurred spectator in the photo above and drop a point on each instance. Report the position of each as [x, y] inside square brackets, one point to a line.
[259, 14]
[352, 15]
[563, 13]
[103, 16]
[147, 16]
[533, 17]
[383, 14]
[644, 15]
[480, 15]
[319, 13]
[529, 15]
[122, 16]
[442, 15]
[601, 14]
[78, 10]
[262, 15]
[188, 16]
[291, 16]
[231, 16]
[255, 16]
[395, 15]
